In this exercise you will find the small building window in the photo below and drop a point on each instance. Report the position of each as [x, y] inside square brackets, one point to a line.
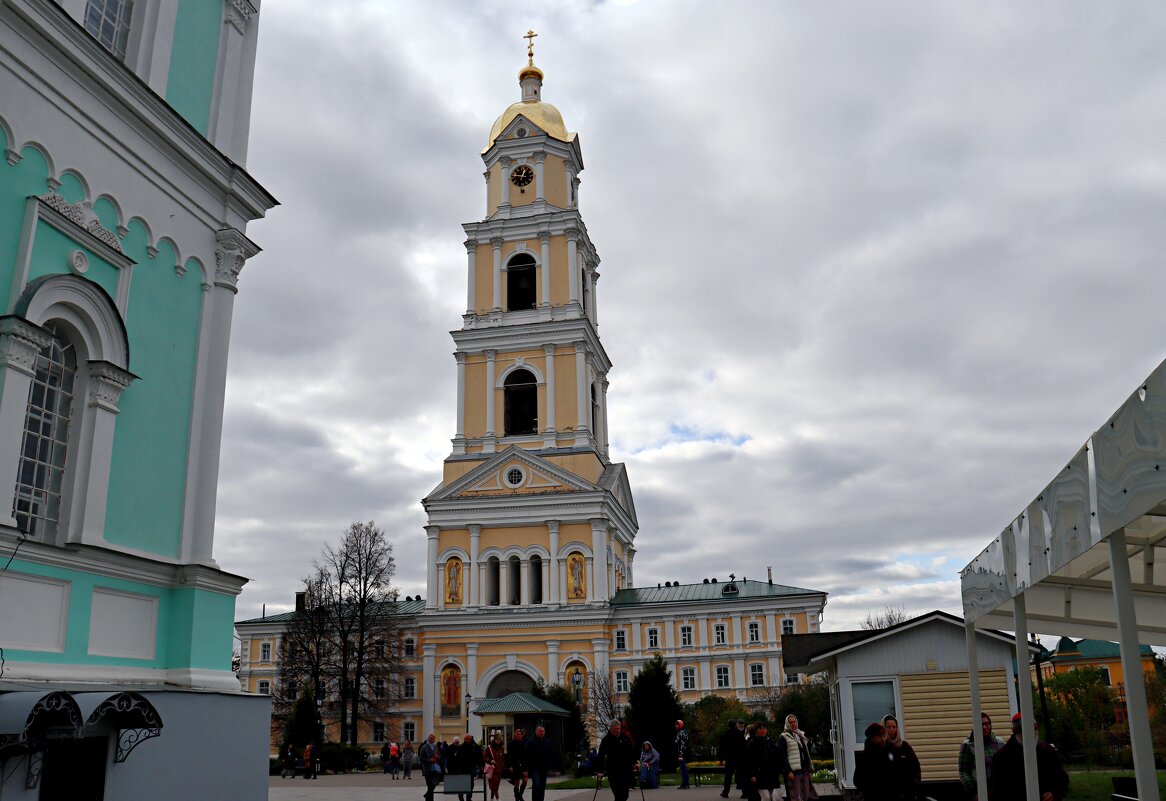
[688, 678]
[787, 626]
[410, 647]
[109, 23]
[520, 399]
[293, 690]
[621, 640]
[520, 283]
[409, 687]
[378, 732]
[264, 687]
[791, 678]
[265, 652]
[621, 681]
[378, 689]
[722, 676]
[720, 634]
[686, 636]
[653, 638]
[409, 731]
[757, 675]
[754, 632]
[1105, 677]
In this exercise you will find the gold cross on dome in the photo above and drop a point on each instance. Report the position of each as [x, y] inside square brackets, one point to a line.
[530, 37]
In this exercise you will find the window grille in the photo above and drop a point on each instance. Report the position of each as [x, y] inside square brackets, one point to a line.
[754, 632]
[41, 474]
[265, 652]
[109, 22]
[720, 634]
[653, 638]
[621, 641]
[410, 647]
[686, 636]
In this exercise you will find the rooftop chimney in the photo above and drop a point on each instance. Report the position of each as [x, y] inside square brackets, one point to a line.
[770, 570]
[301, 601]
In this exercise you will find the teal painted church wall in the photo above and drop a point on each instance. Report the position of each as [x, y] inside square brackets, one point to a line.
[193, 60]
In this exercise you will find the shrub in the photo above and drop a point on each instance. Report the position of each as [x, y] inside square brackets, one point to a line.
[339, 758]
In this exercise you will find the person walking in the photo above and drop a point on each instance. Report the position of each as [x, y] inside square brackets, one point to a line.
[384, 757]
[682, 753]
[731, 747]
[289, 762]
[908, 772]
[466, 760]
[1007, 782]
[310, 761]
[495, 759]
[516, 764]
[407, 756]
[874, 773]
[796, 765]
[762, 764]
[967, 759]
[430, 756]
[616, 759]
[541, 756]
[649, 767]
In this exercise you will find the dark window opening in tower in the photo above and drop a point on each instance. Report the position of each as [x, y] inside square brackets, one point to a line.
[514, 579]
[493, 572]
[594, 412]
[521, 404]
[535, 581]
[520, 283]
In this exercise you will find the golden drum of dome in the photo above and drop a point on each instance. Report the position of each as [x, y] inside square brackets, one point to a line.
[543, 115]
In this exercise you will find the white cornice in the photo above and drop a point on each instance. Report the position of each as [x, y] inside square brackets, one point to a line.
[575, 507]
[532, 336]
[556, 222]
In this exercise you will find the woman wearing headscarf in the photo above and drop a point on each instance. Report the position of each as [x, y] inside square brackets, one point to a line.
[649, 766]
[797, 766]
[908, 773]
[874, 774]
[495, 758]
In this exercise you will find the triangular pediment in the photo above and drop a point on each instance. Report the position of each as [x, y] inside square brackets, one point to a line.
[514, 471]
[511, 130]
[615, 481]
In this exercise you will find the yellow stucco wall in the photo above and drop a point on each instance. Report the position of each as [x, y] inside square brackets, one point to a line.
[555, 181]
[559, 289]
[584, 465]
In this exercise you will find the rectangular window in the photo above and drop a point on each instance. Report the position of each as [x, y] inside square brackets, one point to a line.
[653, 638]
[1105, 676]
[720, 634]
[757, 675]
[686, 636]
[378, 649]
[109, 23]
[754, 632]
[265, 652]
[688, 678]
[791, 678]
[409, 687]
[378, 732]
[787, 627]
[409, 731]
[378, 689]
[410, 647]
[264, 688]
[621, 641]
[621, 681]
[293, 690]
[722, 676]
[872, 700]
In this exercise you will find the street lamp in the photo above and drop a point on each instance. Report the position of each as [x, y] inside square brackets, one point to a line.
[577, 683]
[468, 698]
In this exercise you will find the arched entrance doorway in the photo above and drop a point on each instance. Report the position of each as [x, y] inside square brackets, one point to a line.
[511, 681]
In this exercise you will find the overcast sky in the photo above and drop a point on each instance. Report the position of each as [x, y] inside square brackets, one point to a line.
[872, 272]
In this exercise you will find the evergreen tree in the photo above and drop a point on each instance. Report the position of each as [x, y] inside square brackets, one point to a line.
[303, 724]
[653, 709]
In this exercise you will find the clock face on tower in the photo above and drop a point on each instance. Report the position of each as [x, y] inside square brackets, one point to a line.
[522, 175]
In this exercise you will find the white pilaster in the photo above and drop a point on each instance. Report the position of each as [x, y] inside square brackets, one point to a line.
[602, 435]
[588, 293]
[473, 722]
[705, 675]
[1021, 660]
[636, 626]
[504, 176]
[739, 674]
[599, 548]
[539, 184]
[631, 573]
[573, 268]
[433, 594]
[553, 542]
[583, 395]
[594, 294]
[231, 93]
[496, 243]
[428, 689]
[571, 197]
[460, 433]
[20, 343]
[591, 593]
[92, 460]
[736, 640]
[490, 355]
[474, 596]
[553, 676]
[472, 276]
[524, 582]
[544, 239]
[669, 627]
[503, 582]
[550, 433]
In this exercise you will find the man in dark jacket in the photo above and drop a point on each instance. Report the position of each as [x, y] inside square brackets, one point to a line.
[617, 760]
[1006, 782]
[430, 757]
[541, 757]
[516, 764]
[466, 759]
[762, 764]
[874, 773]
[732, 745]
[682, 753]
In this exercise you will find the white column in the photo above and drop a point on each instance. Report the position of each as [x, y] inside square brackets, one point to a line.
[545, 580]
[974, 688]
[473, 722]
[571, 197]
[503, 581]
[591, 593]
[1020, 625]
[524, 582]
[231, 94]
[602, 435]
[631, 571]
[496, 243]
[599, 549]
[636, 626]
[553, 544]
[573, 267]
[735, 622]
[490, 354]
[433, 594]
[504, 176]
[594, 295]
[233, 250]
[20, 342]
[91, 460]
[472, 276]
[1137, 713]
[588, 293]
[611, 577]
[539, 183]
[460, 433]
[544, 239]
[550, 439]
[583, 396]
[739, 671]
[428, 694]
[553, 676]
[474, 594]
[669, 627]
[706, 679]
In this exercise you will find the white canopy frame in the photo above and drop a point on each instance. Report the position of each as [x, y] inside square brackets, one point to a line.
[1069, 560]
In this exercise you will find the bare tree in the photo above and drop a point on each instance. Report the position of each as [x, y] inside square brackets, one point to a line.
[304, 650]
[602, 702]
[891, 616]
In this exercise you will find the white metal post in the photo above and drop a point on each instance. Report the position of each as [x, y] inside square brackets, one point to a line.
[977, 712]
[1024, 693]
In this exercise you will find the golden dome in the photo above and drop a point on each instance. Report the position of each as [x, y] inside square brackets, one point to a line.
[543, 115]
[530, 71]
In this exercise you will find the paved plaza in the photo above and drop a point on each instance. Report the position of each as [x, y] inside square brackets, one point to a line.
[370, 786]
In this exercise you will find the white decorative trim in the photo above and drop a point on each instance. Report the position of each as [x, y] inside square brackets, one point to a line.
[79, 262]
[238, 14]
[14, 598]
[20, 342]
[232, 252]
[82, 215]
[106, 382]
[137, 614]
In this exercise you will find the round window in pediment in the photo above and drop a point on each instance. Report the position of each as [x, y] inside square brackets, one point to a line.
[515, 477]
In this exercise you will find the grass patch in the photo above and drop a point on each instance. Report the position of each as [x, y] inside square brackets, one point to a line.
[1097, 785]
[588, 782]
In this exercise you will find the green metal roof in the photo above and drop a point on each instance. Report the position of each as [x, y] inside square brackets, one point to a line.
[703, 593]
[412, 607]
[519, 704]
[1092, 649]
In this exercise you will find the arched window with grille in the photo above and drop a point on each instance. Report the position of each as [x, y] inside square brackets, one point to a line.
[520, 403]
[520, 283]
[41, 474]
